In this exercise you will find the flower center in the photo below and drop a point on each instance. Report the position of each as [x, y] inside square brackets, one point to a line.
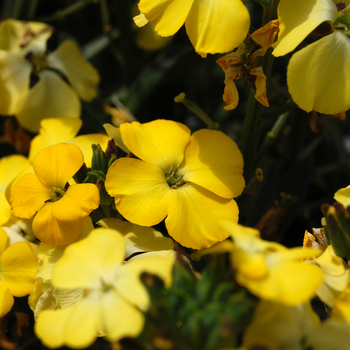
[343, 20]
[174, 180]
[56, 193]
[38, 62]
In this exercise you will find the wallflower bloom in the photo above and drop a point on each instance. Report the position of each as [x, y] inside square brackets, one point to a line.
[113, 292]
[267, 269]
[318, 77]
[191, 180]
[59, 210]
[213, 26]
[17, 271]
[22, 54]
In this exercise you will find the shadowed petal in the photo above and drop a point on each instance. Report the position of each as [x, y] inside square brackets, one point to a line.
[298, 18]
[69, 60]
[50, 97]
[194, 214]
[141, 192]
[6, 299]
[318, 77]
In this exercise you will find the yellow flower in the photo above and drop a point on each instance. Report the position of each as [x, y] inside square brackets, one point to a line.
[214, 26]
[65, 129]
[22, 54]
[343, 196]
[270, 270]
[17, 271]
[190, 179]
[59, 210]
[113, 292]
[318, 77]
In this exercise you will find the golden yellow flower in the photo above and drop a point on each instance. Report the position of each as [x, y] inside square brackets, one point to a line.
[189, 179]
[59, 208]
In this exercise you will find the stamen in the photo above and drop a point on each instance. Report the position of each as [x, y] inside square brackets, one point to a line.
[56, 193]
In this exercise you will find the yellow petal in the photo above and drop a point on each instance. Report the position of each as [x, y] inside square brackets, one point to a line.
[138, 238]
[194, 214]
[167, 16]
[128, 277]
[79, 201]
[298, 19]
[6, 299]
[343, 196]
[51, 231]
[84, 142]
[217, 26]
[141, 191]
[41, 297]
[68, 297]
[266, 35]
[289, 283]
[14, 81]
[18, 268]
[160, 142]
[57, 164]
[214, 161]
[77, 269]
[317, 76]
[4, 240]
[79, 72]
[140, 20]
[331, 334]
[50, 97]
[260, 85]
[28, 196]
[116, 327]
[75, 326]
[341, 309]
[52, 131]
[114, 133]
[230, 95]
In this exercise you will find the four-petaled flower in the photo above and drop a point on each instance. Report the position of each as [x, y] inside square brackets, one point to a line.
[191, 180]
[59, 207]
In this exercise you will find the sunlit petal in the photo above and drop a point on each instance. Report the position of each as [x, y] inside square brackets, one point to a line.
[84, 142]
[100, 254]
[57, 164]
[79, 72]
[51, 97]
[214, 161]
[343, 196]
[298, 19]
[317, 76]
[128, 277]
[18, 268]
[194, 214]
[141, 192]
[52, 131]
[6, 299]
[217, 26]
[138, 238]
[167, 16]
[28, 196]
[79, 201]
[160, 142]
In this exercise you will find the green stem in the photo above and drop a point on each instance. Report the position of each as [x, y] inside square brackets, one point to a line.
[197, 111]
[17, 9]
[271, 136]
[285, 108]
[253, 117]
[60, 15]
